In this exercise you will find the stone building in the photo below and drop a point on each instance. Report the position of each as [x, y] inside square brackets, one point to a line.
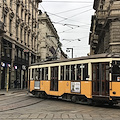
[105, 27]
[49, 46]
[18, 44]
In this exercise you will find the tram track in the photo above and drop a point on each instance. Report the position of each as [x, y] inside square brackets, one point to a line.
[10, 96]
[24, 102]
[11, 101]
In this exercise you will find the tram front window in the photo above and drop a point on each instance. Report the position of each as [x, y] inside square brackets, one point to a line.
[116, 71]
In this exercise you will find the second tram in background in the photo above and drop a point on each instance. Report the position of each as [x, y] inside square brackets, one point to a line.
[93, 79]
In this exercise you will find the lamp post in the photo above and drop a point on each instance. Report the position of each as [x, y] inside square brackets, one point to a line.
[68, 50]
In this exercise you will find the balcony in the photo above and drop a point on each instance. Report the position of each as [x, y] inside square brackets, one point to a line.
[11, 14]
[2, 27]
[95, 42]
[22, 4]
[26, 26]
[18, 20]
[22, 23]
[95, 37]
[6, 9]
[93, 47]
[102, 14]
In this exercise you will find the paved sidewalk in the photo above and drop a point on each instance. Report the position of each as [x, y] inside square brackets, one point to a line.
[57, 116]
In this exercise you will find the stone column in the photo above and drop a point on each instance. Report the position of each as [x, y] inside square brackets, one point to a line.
[28, 82]
[29, 58]
[0, 58]
[35, 58]
[12, 65]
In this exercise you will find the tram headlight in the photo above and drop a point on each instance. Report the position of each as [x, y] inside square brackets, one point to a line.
[114, 92]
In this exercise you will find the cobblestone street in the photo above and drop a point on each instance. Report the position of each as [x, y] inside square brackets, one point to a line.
[23, 106]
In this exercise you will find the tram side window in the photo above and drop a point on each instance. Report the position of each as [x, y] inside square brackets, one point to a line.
[39, 74]
[67, 72]
[116, 71]
[62, 73]
[95, 71]
[105, 73]
[32, 74]
[36, 74]
[85, 72]
[29, 74]
[46, 73]
[72, 72]
[78, 72]
[42, 73]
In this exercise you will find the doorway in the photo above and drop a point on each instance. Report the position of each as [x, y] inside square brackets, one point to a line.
[54, 79]
[100, 79]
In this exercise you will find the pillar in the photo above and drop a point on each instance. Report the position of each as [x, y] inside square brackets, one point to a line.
[0, 58]
[29, 58]
[12, 66]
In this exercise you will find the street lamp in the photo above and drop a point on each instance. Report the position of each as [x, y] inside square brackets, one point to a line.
[68, 50]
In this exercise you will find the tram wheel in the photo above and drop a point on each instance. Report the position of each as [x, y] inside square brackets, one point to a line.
[111, 104]
[90, 102]
[43, 95]
[37, 94]
[74, 99]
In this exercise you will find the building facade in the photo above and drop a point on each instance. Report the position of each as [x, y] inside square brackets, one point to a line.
[18, 44]
[49, 46]
[105, 27]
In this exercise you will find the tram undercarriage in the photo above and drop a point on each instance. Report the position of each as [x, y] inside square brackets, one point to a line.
[95, 100]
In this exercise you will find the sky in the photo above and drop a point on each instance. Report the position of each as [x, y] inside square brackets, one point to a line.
[72, 20]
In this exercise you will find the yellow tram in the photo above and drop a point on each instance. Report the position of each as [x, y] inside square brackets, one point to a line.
[91, 79]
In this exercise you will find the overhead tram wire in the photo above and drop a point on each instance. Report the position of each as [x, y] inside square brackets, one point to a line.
[68, 30]
[68, 41]
[66, 18]
[73, 9]
[75, 15]
[61, 16]
[42, 8]
[64, 24]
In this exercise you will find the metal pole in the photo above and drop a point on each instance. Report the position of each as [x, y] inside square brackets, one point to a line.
[0, 58]
[72, 52]
[7, 78]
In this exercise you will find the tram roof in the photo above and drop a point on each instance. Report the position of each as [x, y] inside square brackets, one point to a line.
[104, 55]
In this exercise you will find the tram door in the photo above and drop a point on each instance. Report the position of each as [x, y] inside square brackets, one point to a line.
[100, 79]
[54, 79]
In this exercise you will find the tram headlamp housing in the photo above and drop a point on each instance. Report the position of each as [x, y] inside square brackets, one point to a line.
[114, 92]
